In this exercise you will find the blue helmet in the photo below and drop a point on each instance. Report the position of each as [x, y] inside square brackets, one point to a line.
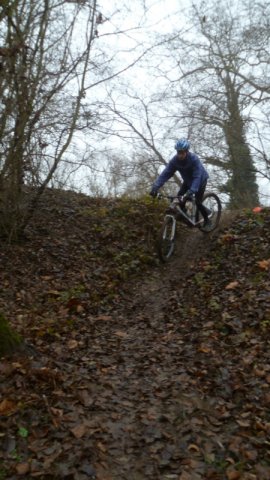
[182, 144]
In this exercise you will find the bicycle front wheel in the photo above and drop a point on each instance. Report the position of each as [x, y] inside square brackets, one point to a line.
[166, 239]
[213, 204]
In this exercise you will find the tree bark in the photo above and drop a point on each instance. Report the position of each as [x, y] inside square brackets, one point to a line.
[242, 185]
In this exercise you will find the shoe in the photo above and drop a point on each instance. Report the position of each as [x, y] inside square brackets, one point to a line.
[209, 212]
[207, 226]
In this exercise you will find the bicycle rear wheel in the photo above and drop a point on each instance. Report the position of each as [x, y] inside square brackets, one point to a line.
[166, 239]
[213, 204]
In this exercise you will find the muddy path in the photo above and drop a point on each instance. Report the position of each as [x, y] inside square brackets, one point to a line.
[151, 293]
[158, 415]
[131, 394]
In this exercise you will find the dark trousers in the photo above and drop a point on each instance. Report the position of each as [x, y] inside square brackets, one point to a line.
[198, 197]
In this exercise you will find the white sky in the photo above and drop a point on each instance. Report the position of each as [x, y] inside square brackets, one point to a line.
[161, 17]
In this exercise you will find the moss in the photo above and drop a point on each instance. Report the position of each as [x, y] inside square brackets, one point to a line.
[9, 340]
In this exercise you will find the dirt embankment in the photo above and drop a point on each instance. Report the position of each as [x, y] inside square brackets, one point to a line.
[167, 379]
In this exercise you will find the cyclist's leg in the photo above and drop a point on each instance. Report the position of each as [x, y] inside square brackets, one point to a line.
[183, 190]
[212, 203]
[199, 198]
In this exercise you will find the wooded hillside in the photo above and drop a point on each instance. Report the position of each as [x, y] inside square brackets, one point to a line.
[135, 370]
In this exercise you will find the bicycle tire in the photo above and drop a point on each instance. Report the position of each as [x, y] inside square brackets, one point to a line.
[166, 239]
[213, 203]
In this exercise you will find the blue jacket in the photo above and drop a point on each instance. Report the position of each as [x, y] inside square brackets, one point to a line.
[191, 170]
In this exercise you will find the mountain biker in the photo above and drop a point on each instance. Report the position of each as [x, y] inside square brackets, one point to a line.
[193, 174]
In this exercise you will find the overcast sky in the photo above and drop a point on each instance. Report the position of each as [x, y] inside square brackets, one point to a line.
[161, 16]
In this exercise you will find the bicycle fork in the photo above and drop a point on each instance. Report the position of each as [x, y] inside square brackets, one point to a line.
[172, 228]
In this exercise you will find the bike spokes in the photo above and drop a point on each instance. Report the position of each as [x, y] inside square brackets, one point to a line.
[166, 240]
[213, 205]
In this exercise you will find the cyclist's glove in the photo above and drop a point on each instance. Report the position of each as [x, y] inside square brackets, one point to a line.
[154, 192]
[188, 195]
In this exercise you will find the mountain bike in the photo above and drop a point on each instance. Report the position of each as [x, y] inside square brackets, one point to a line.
[186, 212]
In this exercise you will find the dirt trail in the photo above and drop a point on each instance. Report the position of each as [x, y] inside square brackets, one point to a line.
[151, 377]
[150, 294]
[153, 385]
[126, 396]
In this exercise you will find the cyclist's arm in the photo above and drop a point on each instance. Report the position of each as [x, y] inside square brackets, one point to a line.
[196, 175]
[167, 173]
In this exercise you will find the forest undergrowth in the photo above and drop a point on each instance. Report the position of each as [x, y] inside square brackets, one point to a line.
[135, 370]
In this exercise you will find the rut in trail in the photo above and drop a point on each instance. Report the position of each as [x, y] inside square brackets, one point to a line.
[150, 294]
[148, 393]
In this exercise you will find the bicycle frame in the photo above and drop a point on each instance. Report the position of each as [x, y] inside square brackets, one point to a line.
[177, 210]
[188, 213]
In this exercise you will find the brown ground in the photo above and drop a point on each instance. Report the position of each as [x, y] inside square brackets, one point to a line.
[169, 380]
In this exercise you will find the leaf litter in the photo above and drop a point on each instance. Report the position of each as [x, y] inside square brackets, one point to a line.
[140, 371]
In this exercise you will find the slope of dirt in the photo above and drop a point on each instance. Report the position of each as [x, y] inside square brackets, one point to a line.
[168, 378]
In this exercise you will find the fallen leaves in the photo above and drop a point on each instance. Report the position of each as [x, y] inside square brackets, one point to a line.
[232, 285]
[264, 264]
[79, 430]
[163, 379]
[72, 344]
[121, 334]
[233, 474]
[23, 468]
[8, 407]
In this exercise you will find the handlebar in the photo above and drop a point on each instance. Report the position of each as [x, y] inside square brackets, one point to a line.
[172, 198]
[169, 197]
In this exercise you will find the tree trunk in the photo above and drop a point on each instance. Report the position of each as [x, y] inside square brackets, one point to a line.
[242, 185]
[10, 341]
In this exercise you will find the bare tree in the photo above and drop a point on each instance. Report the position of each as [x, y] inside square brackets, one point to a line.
[213, 86]
[52, 60]
[42, 81]
[218, 92]
[137, 124]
